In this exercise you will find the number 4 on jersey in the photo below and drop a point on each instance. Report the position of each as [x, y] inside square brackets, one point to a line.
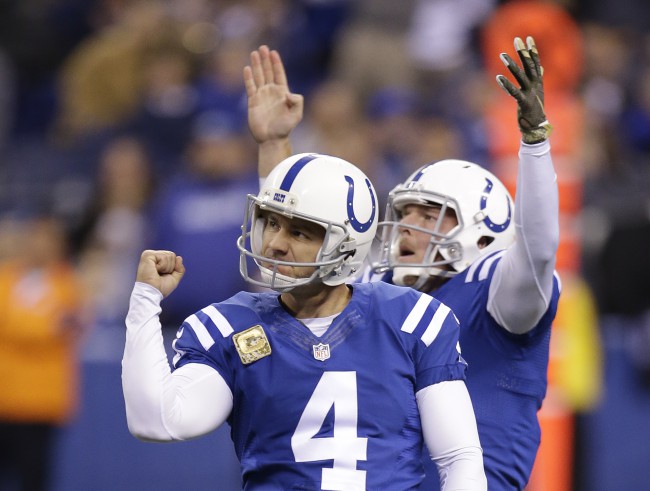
[337, 389]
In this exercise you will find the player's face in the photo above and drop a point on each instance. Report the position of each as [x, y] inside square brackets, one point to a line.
[291, 239]
[413, 244]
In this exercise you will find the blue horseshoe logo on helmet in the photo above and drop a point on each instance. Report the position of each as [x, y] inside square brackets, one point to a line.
[495, 227]
[356, 224]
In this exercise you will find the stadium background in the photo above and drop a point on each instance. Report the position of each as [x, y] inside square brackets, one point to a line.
[106, 105]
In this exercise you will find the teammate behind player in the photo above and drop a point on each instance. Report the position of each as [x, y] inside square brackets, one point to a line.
[325, 385]
[451, 228]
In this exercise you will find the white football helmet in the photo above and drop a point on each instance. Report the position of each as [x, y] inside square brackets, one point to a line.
[326, 190]
[481, 203]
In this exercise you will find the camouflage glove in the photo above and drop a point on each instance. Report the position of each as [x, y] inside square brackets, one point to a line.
[530, 96]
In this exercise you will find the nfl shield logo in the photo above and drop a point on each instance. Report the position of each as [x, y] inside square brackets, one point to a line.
[321, 351]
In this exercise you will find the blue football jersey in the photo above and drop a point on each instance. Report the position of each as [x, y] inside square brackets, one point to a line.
[335, 412]
[506, 376]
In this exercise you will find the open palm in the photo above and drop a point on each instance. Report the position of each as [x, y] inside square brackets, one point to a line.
[273, 110]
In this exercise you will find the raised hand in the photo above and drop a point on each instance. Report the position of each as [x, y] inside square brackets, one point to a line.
[161, 269]
[533, 124]
[273, 110]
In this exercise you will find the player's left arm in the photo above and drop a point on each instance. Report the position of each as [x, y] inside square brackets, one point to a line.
[526, 270]
[451, 435]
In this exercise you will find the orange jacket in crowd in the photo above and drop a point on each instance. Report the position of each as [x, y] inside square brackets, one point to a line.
[39, 330]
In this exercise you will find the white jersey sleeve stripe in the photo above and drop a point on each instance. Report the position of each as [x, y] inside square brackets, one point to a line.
[435, 325]
[472, 269]
[416, 313]
[487, 264]
[219, 320]
[478, 263]
[201, 332]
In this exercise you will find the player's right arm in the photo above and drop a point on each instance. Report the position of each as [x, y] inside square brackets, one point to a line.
[526, 271]
[431, 332]
[162, 405]
[273, 110]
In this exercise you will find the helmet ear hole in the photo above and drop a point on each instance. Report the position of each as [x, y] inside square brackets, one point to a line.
[484, 241]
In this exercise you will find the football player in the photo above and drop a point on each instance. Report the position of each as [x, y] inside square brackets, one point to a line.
[325, 385]
[452, 230]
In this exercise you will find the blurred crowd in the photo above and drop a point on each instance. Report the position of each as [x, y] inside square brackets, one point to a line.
[123, 127]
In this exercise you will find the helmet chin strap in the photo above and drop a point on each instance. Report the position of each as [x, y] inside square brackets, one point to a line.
[283, 283]
[277, 281]
[400, 275]
[423, 275]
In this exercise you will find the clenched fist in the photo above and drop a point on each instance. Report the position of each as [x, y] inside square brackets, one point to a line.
[161, 269]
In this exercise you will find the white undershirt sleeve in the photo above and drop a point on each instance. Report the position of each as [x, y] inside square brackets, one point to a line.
[162, 405]
[449, 429]
[522, 285]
